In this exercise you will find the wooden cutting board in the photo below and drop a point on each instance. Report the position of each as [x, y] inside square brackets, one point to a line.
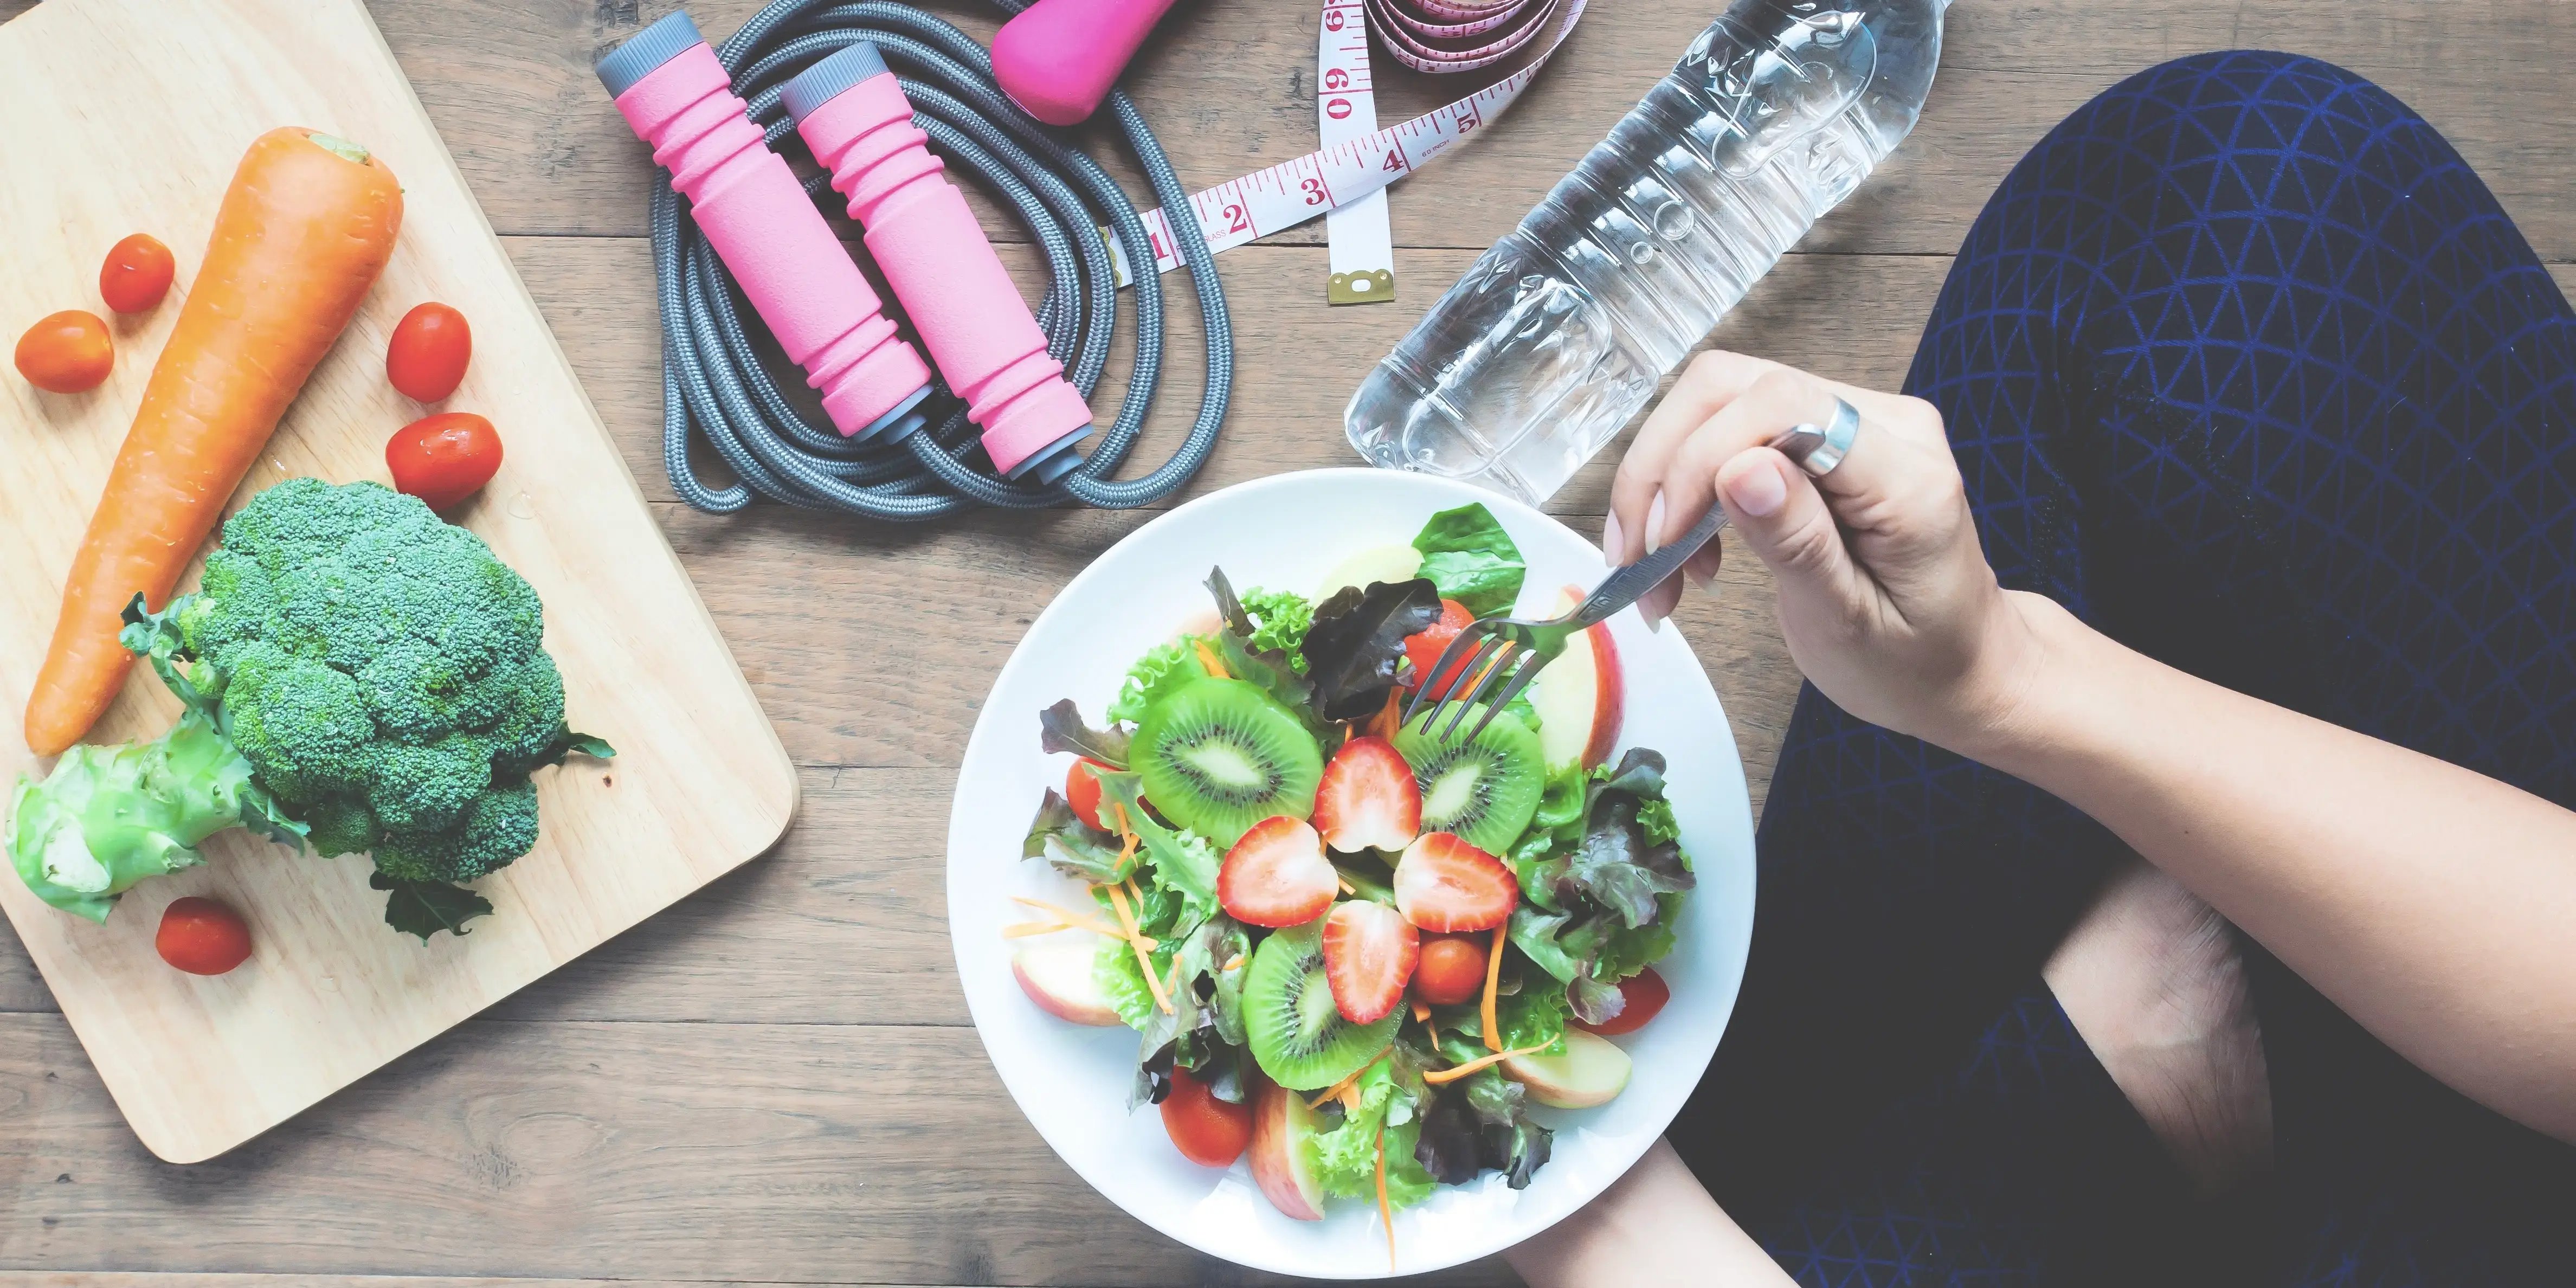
[128, 116]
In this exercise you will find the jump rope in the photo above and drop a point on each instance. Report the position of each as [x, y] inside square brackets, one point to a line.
[868, 85]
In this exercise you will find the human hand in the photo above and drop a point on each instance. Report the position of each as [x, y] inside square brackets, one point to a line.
[1886, 598]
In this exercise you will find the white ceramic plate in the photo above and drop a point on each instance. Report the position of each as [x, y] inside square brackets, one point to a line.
[1289, 531]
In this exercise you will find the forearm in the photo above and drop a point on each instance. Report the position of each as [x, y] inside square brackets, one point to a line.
[1655, 1226]
[2430, 902]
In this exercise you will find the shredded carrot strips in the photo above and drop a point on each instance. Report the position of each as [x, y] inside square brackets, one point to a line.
[1076, 920]
[1207, 659]
[1127, 837]
[1480, 1062]
[1493, 982]
[1388, 722]
[1385, 1210]
[1118, 901]
[1334, 1092]
[1344, 882]
[1137, 940]
[1024, 929]
[1421, 1011]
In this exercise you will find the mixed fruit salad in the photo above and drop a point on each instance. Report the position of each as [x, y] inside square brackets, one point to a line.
[1359, 949]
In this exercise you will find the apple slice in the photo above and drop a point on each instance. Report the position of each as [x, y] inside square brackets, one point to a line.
[1377, 563]
[1581, 696]
[1281, 1122]
[1593, 1071]
[1056, 974]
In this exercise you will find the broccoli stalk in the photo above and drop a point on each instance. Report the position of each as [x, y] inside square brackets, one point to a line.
[358, 674]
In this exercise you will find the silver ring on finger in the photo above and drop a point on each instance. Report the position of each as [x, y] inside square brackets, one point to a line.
[1819, 448]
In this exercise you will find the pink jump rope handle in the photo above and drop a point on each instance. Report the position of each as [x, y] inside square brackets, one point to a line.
[672, 90]
[933, 253]
[1059, 58]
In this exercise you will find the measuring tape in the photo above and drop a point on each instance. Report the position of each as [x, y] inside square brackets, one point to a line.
[1346, 179]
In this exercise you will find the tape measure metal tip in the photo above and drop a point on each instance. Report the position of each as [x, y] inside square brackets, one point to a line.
[1376, 287]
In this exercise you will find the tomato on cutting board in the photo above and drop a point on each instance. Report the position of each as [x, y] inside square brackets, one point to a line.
[67, 352]
[445, 458]
[202, 937]
[136, 275]
[1207, 1131]
[426, 357]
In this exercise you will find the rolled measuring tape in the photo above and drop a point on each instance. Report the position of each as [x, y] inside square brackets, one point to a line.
[1345, 180]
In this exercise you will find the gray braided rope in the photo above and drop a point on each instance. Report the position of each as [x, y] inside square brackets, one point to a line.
[714, 382]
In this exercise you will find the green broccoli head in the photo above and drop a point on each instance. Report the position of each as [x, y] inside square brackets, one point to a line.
[497, 826]
[380, 673]
[383, 671]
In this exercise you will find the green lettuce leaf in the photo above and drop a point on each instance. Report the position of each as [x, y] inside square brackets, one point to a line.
[1076, 848]
[1603, 877]
[1466, 553]
[1165, 667]
[1284, 617]
[1533, 1015]
[1060, 728]
[1344, 1157]
[1176, 859]
[1239, 647]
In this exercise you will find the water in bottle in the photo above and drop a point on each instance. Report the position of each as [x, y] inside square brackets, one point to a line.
[1558, 334]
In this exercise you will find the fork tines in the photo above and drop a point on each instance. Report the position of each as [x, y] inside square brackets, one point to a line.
[1494, 653]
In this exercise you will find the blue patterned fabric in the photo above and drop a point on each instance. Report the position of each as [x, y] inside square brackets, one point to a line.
[2244, 366]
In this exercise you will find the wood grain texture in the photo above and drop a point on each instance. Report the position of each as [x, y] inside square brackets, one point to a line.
[172, 93]
[1227, 88]
[680, 1151]
[770, 1065]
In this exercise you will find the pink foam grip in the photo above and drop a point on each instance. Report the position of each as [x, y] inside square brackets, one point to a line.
[1059, 58]
[795, 272]
[952, 285]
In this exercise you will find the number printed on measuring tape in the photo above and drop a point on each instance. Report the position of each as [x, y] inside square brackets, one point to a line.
[1290, 193]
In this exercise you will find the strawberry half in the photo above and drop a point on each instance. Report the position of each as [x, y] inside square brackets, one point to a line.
[1368, 798]
[1277, 875]
[1369, 952]
[1444, 885]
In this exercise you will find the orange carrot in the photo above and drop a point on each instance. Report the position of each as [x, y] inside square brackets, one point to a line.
[302, 233]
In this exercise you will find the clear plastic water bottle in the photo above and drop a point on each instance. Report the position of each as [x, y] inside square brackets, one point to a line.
[1547, 346]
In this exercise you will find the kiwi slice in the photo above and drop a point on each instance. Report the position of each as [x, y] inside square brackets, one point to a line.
[1296, 1034]
[1221, 755]
[1484, 788]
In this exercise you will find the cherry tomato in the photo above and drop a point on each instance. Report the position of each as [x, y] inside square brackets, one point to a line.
[67, 352]
[136, 274]
[1646, 992]
[1425, 648]
[1207, 1131]
[1082, 791]
[202, 937]
[427, 355]
[1451, 969]
[443, 459]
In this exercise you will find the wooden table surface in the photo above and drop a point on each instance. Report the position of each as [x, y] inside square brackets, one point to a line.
[775, 1081]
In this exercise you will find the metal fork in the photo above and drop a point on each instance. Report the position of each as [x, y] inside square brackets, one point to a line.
[1503, 654]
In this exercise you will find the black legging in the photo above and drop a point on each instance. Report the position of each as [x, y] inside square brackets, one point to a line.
[2244, 366]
